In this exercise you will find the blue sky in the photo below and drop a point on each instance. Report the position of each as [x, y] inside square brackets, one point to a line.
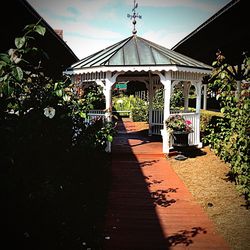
[91, 25]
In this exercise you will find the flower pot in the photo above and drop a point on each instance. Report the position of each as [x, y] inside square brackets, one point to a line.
[180, 138]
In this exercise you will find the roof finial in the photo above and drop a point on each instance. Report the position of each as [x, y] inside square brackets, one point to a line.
[134, 16]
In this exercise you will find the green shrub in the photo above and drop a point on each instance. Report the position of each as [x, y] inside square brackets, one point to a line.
[229, 136]
[140, 114]
[176, 99]
[205, 118]
[137, 107]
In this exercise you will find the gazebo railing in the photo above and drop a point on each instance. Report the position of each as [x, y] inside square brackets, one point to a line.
[157, 124]
[95, 114]
[157, 121]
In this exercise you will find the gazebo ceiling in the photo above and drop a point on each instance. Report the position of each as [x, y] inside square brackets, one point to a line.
[136, 51]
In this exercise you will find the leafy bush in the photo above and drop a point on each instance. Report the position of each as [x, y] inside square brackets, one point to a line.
[176, 99]
[207, 117]
[137, 107]
[140, 114]
[158, 101]
[48, 155]
[230, 136]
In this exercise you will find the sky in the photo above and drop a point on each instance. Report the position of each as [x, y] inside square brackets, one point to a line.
[92, 25]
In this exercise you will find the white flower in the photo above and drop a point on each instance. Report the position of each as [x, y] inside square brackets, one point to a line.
[120, 101]
[49, 112]
[13, 56]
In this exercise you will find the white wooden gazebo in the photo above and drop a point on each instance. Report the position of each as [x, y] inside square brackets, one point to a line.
[140, 60]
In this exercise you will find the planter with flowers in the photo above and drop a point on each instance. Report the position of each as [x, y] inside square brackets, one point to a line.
[179, 128]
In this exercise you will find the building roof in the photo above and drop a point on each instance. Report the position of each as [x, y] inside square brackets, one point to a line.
[226, 30]
[16, 14]
[137, 51]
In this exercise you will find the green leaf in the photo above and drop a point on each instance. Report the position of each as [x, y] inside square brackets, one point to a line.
[66, 98]
[110, 138]
[55, 86]
[2, 64]
[246, 106]
[4, 57]
[214, 63]
[82, 115]
[222, 75]
[29, 27]
[17, 73]
[6, 89]
[223, 110]
[59, 93]
[40, 30]
[20, 41]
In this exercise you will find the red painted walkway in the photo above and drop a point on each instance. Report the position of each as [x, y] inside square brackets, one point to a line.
[149, 207]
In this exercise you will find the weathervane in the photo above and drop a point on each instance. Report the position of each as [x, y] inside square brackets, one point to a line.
[134, 16]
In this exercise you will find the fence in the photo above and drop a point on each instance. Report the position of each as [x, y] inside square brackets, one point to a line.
[157, 124]
[143, 94]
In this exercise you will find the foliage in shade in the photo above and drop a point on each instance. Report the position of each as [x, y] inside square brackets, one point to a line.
[49, 155]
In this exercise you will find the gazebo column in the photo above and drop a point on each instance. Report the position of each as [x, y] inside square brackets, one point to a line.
[186, 88]
[108, 100]
[166, 81]
[151, 92]
[107, 91]
[204, 96]
[198, 108]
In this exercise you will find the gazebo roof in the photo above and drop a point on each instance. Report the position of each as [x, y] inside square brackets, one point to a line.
[137, 51]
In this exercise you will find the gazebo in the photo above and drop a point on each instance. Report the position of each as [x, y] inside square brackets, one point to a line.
[140, 60]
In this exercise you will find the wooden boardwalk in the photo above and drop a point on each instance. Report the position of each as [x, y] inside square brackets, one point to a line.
[149, 207]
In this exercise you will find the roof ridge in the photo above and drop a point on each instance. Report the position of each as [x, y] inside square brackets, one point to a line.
[209, 20]
[128, 39]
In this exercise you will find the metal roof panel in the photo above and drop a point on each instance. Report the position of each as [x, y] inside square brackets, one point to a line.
[137, 51]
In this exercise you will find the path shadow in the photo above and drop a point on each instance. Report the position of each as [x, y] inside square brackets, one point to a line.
[161, 198]
[184, 237]
[132, 221]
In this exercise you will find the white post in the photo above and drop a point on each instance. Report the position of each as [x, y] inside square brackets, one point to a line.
[204, 96]
[107, 90]
[198, 96]
[198, 107]
[186, 93]
[150, 105]
[166, 81]
[108, 101]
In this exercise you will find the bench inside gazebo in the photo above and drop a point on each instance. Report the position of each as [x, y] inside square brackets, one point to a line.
[139, 60]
